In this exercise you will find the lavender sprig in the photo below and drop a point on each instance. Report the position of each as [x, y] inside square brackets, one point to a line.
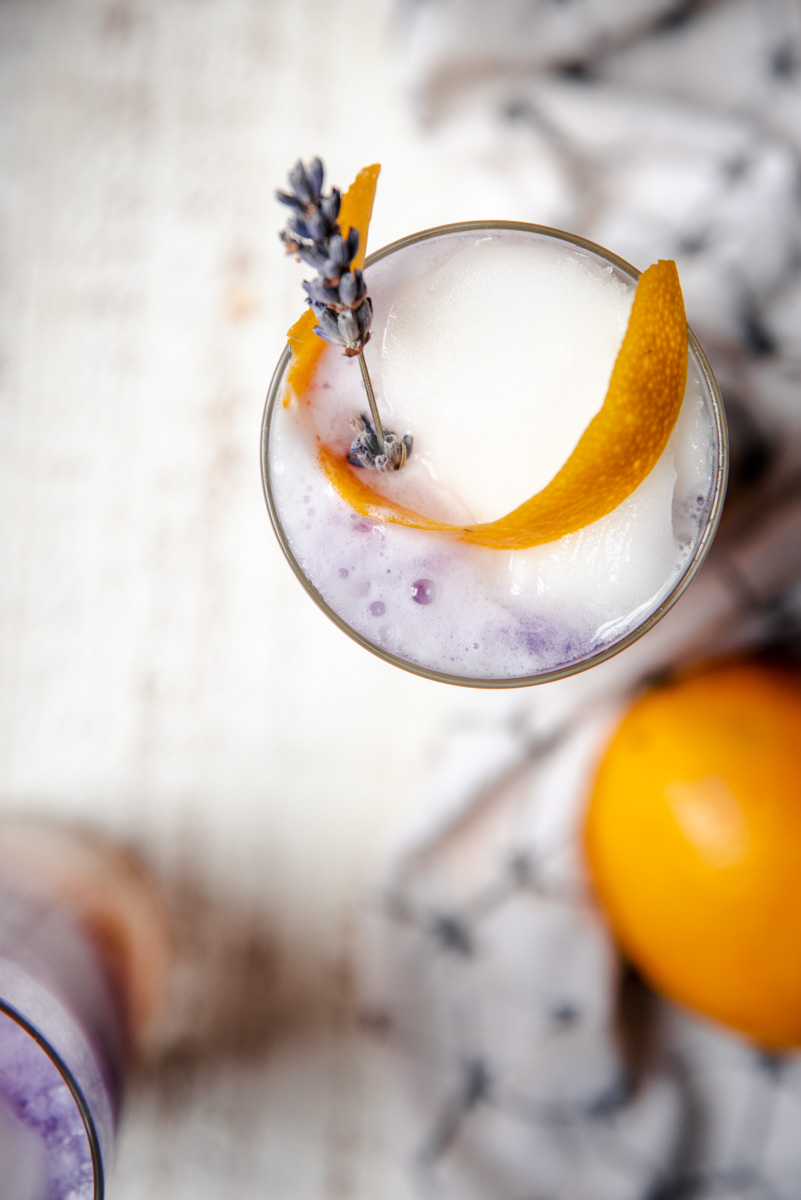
[338, 297]
[366, 452]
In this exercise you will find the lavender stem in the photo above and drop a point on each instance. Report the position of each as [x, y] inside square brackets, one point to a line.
[368, 387]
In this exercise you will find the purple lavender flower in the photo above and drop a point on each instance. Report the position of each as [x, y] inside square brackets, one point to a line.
[337, 295]
[366, 452]
[338, 298]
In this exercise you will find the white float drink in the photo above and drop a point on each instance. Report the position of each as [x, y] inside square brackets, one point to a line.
[493, 345]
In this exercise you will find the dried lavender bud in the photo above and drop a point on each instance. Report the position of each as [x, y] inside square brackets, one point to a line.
[352, 243]
[364, 317]
[328, 328]
[314, 257]
[352, 289]
[365, 450]
[340, 251]
[311, 228]
[315, 216]
[288, 199]
[330, 204]
[297, 228]
[315, 175]
[320, 293]
[349, 328]
[330, 258]
[307, 182]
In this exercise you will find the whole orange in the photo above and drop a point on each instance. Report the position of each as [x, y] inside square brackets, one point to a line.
[693, 839]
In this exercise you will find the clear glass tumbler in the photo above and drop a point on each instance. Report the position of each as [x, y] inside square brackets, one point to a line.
[425, 601]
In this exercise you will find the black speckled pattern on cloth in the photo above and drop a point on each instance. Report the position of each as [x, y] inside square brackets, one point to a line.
[535, 1066]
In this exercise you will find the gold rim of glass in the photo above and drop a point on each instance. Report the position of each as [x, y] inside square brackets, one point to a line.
[720, 464]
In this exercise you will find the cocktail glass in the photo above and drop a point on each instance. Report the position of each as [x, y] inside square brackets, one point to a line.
[84, 956]
[541, 631]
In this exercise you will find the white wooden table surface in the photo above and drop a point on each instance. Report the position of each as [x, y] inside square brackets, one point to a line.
[162, 675]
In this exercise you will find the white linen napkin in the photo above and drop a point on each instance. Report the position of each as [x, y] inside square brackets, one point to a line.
[535, 1065]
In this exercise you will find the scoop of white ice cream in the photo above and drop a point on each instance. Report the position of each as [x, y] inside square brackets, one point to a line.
[497, 361]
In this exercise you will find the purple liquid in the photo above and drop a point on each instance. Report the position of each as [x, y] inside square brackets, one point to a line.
[424, 591]
[45, 1153]
[62, 1054]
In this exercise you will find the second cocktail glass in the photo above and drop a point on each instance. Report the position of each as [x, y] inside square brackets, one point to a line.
[84, 954]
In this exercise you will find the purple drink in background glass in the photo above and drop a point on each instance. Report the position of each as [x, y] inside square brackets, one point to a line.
[83, 956]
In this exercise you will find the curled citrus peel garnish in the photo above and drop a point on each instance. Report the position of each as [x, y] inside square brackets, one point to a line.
[355, 212]
[617, 450]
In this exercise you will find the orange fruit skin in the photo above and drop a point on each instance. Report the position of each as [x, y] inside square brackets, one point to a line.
[693, 842]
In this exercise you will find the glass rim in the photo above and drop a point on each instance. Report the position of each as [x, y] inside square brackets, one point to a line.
[719, 469]
[74, 1089]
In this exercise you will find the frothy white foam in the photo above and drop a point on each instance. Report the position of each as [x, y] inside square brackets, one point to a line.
[469, 611]
[498, 360]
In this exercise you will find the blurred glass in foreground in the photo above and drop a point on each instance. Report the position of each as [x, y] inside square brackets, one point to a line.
[84, 955]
